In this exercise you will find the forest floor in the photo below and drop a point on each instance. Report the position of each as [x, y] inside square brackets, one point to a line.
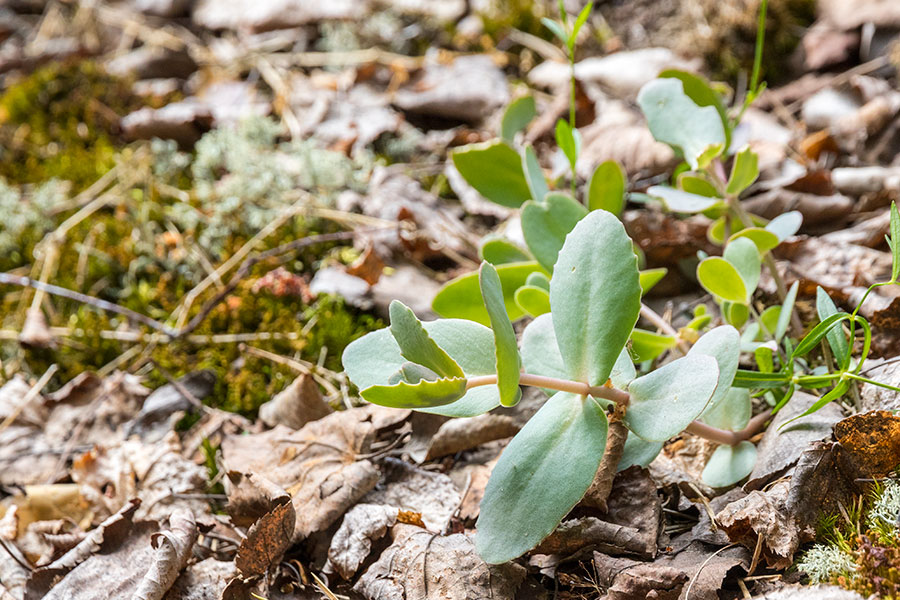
[203, 203]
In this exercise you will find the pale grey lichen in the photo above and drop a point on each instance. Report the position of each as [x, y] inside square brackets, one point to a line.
[823, 562]
[886, 508]
[28, 207]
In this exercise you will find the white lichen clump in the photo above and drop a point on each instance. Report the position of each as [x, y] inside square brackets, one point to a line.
[886, 508]
[823, 562]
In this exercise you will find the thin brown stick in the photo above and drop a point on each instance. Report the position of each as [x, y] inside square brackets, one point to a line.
[29, 396]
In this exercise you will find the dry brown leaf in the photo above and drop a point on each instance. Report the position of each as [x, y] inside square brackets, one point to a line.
[352, 542]
[816, 210]
[764, 514]
[296, 405]
[871, 442]
[266, 540]
[632, 580]
[368, 266]
[205, 580]
[173, 549]
[452, 570]
[432, 495]
[317, 465]
[461, 434]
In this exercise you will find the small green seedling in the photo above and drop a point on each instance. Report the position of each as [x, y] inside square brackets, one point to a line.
[577, 353]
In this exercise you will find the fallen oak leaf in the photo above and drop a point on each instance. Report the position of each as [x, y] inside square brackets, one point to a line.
[173, 549]
[266, 540]
[352, 542]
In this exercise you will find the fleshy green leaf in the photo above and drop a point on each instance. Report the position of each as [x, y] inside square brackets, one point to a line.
[579, 22]
[638, 452]
[540, 353]
[534, 175]
[702, 93]
[693, 183]
[424, 394]
[557, 30]
[723, 344]
[372, 359]
[715, 233]
[839, 347]
[729, 464]
[735, 314]
[416, 345]
[595, 296]
[722, 280]
[757, 380]
[732, 412]
[895, 244]
[507, 350]
[764, 239]
[460, 298]
[539, 280]
[647, 345]
[786, 225]
[541, 476]
[650, 277]
[606, 189]
[784, 316]
[545, 225]
[533, 300]
[412, 373]
[744, 172]
[742, 254]
[517, 116]
[683, 202]
[665, 401]
[499, 251]
[565, 139]
[676, 120]
[623, 372]
[495, 170]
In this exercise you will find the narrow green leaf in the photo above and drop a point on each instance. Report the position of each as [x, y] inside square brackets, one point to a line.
[839, 390]
[499, 251]
[373, 359]
[742, 254]
[721, 279]
[416, 345]
[461, 297]
[764, 239]
[595, 296]
[506, 347]
[732, 412]
[650, 277]
[818, 332]
[683, 202]
[729, 465]
[579, 22]
[757, 380]
[665, 401]
[694, 183]
[895, 246]
[676, 120]
[424, 394]
[723, 344]
[495, 170]
[606, 189]
[517, 116]
[786, 225]
[534, 175]
[541, 476]
[836, 339]
[744, 172]
[545, 225]
[648, 345]
[784, 317]
[566, 141]
[557, 30]
[533, 300]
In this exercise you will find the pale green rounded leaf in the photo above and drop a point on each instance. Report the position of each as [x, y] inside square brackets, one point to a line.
[665, 401]
[507, 350]
[595, 296]
[416, 345]
[715, 233]
[517, 116]
[683, 202]
[729, 464]
[623, 372]
[676, 120]
[533, 300]
[638, 452]
[744, 172]
[534, 175]
[732, 412]
[460, 298]
[500, 251]
[539, 280]
[786, 225]
[423, 394]
[372, 359]
[723, 344]
[606, 189]
[495, 170]
[743, 255]
[702, 93]
[764, 239]
[541, 476]
[722, 280]
[545, 225]
[735, 314]
[540, 354]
